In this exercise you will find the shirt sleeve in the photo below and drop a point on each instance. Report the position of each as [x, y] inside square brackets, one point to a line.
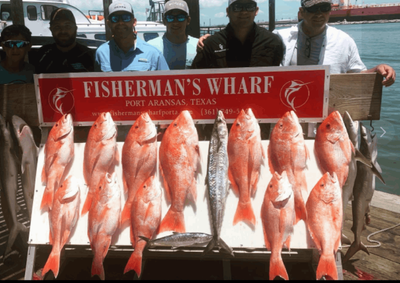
[355, 65]
[97, 63]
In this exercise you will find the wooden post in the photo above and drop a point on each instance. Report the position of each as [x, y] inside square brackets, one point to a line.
[271, 21]
[194, 27]
[107, 3]
[17, 12]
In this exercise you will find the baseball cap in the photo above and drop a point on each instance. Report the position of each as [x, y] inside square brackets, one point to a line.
[119, 6]
[309, 3]
[62, 14]
[176, 4]
[230, 2]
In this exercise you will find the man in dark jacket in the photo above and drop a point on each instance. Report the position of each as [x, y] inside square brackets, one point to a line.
[242, 43]
[65, 55]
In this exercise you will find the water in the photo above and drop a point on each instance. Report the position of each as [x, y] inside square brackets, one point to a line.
[379, 43]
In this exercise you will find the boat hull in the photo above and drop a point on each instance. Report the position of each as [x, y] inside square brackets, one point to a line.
[367, 13]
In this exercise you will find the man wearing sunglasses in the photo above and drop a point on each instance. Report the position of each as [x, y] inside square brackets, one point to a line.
[242, 43]
[313, 42]
[15, 41]
[65, 55]
[125, 51]
[178, 48]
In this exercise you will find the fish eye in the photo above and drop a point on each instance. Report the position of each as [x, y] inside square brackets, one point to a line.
[270, 186]
[175, 124]
[280, 126]
[322, 185]
[136, 127]
[328, 125]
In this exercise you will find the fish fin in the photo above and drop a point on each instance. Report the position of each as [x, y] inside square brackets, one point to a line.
[126, 213]
[224, 246]
[99, 256]
[192, 193]
[286, 244]
[135, 261]
[166, 187]
[244, 212]
[360, 157]
[117, 158]
[234, 186]
[300, 210]
[144, 238]
[306, 151]
[277, 268]
[354, 248]
[132, 237]
[47, 199]
[173, 221]
[376, 171]
[327, 267]
[266, 241]
[52, 263]
[44, 177]
[87, 204]
[125, 184]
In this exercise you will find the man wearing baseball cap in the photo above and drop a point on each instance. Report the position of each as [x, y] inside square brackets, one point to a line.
[242, 43]
[178, 48]
[313, 42]
[65, 55]
[125, 51]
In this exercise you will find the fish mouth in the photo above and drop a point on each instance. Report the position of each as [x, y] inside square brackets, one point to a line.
[153, 133]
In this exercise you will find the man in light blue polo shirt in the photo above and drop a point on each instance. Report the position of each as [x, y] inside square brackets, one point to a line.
[178, 48]
[126, 52]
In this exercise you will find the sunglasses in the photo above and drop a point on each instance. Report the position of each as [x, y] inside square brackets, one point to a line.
[124, 17]
[179, 18]
[249, 7]
[18, 43]
[323, 8]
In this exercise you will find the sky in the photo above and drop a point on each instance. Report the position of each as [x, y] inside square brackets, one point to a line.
[214, 11]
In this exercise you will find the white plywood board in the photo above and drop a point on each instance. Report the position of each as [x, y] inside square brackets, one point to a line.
[197, 217]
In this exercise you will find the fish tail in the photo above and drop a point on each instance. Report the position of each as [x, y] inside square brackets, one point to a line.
[224, 246]
[87, 204]
[277, 268]
[134, 263]
[173, 221]
[211, 244]
[47, 199]
[244, 212]
[53, 264]
[97, 267]
[327, 267]
[126, 213]
[300, 211]
[355, 247]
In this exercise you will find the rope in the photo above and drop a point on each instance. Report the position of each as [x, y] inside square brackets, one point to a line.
[378, 244]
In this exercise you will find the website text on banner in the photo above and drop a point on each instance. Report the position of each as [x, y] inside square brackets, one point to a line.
[268, 91]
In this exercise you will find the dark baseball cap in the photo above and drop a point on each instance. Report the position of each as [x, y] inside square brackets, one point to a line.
[310, 3]
[62, 14]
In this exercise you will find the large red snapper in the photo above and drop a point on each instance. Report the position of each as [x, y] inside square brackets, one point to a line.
[245, 155]
[100, 155]
[58, 155]
[324, 222]
[278, 216]
[145, 220]
[139, 159]
[287, 151]
[104, 220]
[63, 219]
[179, 157]
[334, 149]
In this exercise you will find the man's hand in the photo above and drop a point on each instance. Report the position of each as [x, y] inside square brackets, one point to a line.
[200, 43]
[387, 72]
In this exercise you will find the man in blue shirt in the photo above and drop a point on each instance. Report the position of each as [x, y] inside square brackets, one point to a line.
[126, 52]
[179, 49]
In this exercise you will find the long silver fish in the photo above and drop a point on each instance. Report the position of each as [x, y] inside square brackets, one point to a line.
[217, 181]
[364, 188]
[9, 169]
[30, 151]
[179, 240]
[353, 129]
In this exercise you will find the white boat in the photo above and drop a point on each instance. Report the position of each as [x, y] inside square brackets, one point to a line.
[37, 18]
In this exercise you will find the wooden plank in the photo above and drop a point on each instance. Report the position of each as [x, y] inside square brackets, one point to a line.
[359, 94]
[17, 12]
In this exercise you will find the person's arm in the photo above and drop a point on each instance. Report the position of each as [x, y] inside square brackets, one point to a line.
[386, 71]
[200, 44]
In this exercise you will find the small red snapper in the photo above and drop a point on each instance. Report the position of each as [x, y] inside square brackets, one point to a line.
[63, 219]
[179, 157]
[145, 220]
[324, 222]
[100, 155]
[287, 152]
[139, 159]
[58, 154]
[278, 216]
[104, 220]
[245, 155]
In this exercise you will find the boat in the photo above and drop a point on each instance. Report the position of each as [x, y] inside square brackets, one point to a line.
[345, 11]
[37, 19]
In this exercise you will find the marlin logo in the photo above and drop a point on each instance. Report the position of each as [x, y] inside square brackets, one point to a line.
[61, 100]
[221, 47]
[295, 94]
